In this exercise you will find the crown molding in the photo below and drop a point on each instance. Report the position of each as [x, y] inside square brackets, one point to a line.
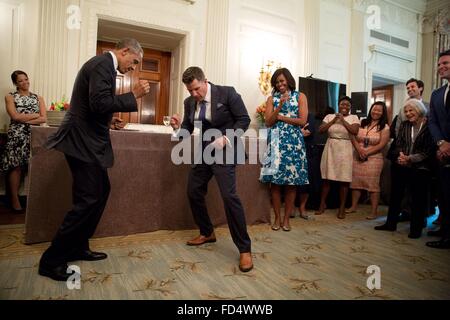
[392, 53]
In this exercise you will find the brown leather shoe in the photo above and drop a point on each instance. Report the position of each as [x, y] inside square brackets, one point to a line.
[245, 262]
[197, 241]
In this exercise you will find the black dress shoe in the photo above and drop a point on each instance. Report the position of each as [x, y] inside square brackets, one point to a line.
[435, 233]
[88, 255]
[441, 244]
[385, 227]
[58, 273]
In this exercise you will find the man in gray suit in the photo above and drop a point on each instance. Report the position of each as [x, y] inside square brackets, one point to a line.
[221, 108]
[84, 139]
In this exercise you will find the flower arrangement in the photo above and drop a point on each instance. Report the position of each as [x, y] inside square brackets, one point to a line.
[62, 105]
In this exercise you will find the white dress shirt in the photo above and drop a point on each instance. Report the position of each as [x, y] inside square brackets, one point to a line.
[207, 101]
[115, 62]
[446, 92]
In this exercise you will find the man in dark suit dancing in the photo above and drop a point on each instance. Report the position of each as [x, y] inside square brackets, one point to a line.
[84, 139]
[439, 124]
[222, 108]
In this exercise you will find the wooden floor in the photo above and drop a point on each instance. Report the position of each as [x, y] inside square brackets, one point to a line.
[8, 216]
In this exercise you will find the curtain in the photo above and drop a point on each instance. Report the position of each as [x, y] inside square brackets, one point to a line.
[442, 42]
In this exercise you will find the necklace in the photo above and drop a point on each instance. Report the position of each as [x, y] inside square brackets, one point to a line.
[371, 128]
[413, 136]
[366, 138]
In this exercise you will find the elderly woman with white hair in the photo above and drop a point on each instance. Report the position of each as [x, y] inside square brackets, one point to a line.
[412, 159]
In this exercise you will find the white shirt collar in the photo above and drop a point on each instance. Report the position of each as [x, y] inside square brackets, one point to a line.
[208, 94]
[115, 62]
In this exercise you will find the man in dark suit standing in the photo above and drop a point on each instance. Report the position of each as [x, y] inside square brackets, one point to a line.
[439, 124]
[84, 139]
[220, 108]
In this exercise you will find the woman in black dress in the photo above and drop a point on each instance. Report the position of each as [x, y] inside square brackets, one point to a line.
[25, 109]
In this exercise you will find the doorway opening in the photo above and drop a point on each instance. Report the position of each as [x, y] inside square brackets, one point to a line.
[160, 66]
[391, 92]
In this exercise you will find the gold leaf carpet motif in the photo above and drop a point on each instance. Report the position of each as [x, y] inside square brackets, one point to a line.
[324, 258]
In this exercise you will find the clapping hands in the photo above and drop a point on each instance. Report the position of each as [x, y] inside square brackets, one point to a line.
[284, 97]
[338, 117]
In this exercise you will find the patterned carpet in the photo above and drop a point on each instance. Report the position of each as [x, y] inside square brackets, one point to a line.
[324, 258]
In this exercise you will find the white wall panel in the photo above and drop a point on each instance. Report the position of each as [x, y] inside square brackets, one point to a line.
[261, 31]
[231, 39]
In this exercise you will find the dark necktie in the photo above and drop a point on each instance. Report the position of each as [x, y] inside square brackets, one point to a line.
[202, 113]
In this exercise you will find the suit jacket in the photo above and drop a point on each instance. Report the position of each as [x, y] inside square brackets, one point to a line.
[227, 112]
[422, 149]
[84, 132]
[439, 117]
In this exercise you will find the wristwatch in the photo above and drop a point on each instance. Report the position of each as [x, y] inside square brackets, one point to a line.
[440, 143]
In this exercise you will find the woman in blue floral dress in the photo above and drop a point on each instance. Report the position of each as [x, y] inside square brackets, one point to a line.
[285, 162]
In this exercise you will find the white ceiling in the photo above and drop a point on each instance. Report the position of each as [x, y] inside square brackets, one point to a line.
[417, 6]
[381, 82]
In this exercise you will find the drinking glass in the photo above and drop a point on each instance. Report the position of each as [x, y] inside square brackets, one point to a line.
[166, 121]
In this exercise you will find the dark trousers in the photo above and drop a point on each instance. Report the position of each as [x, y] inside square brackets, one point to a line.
[444, 205]
[306, 188]
[313, 156]
[225, 175]
[418, 184]
[90, 191]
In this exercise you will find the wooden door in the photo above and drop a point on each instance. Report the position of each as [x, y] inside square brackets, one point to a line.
[384, 94]
[155, 68]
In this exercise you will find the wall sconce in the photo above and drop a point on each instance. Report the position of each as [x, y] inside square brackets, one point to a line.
[265, 75]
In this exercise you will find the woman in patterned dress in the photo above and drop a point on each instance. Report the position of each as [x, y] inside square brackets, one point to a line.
[368, 161]
[285, 163]
[337, 156]
[25, 109]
